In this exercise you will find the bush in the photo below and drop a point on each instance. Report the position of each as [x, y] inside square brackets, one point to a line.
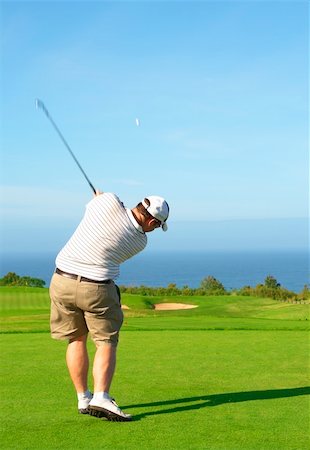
[246, 291]
[212, 286]
[271, 282]
[276, 293]
[304, 295]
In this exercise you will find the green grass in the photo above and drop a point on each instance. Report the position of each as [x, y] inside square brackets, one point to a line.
[231, 374]
[27, 310]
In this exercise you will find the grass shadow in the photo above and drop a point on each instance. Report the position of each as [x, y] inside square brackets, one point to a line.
[203, 401]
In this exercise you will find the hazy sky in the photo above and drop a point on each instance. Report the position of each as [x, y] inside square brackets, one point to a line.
[220, 89]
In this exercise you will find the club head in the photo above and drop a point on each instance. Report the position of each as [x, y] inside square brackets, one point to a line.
[40, 105]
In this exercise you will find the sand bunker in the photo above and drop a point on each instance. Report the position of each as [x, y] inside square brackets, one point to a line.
[173, 306]
[125, 307]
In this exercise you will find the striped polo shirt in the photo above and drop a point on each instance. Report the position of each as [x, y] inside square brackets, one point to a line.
[107, 236]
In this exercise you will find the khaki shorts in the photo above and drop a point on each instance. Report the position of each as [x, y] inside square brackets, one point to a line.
[79, 307]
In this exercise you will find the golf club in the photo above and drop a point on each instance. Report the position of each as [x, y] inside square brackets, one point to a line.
[40, 105]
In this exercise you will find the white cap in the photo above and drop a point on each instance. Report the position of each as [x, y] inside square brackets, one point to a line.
[158, 208]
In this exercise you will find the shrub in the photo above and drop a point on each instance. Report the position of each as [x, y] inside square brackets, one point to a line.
[276, 293]
[271, 282]
[245, 290]
[212, 286]
[304, 295]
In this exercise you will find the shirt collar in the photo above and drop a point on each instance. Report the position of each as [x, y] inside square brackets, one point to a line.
[133, 220]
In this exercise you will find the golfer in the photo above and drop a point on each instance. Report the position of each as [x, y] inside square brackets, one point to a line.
[85, 299]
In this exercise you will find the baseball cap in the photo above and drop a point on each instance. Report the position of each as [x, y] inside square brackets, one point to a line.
[158, 208]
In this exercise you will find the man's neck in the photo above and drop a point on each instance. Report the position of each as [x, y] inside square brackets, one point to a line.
[138, 216]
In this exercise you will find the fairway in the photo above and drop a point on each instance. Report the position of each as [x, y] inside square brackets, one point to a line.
[192, 380]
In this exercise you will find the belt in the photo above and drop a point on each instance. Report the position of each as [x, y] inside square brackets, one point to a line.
[75, 277]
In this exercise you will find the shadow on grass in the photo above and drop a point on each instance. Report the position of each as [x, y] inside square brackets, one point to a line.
[194, 403]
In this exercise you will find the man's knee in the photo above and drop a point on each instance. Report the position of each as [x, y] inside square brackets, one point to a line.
[105, 343]
[82, 338]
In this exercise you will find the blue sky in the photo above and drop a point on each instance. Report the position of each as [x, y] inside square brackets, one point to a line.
[221, 92]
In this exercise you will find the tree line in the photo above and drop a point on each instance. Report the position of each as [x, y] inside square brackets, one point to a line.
[208, 286]
[211, 286]
[12, 279]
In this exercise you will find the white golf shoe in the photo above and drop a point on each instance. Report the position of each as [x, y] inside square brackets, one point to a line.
[107, 408]
[83, 403]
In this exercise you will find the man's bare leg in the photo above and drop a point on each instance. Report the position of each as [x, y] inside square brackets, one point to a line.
[102, 405]
[104, 367]
[78, 362]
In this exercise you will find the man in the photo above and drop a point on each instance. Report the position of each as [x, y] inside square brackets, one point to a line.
[84, 297]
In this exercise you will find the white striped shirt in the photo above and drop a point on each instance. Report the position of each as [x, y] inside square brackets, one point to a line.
[107, 236]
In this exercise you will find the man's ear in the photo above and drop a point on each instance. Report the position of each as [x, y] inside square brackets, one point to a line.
[153, 222]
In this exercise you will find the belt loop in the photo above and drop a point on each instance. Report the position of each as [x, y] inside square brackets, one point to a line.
[78, 278]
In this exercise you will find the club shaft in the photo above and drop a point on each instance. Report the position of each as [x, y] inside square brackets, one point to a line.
[42, 106]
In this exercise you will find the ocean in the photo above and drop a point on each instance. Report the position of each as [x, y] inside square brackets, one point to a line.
[233, 269]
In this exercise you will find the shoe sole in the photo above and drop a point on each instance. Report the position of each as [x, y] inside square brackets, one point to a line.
[102, 413]
[84, 411]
